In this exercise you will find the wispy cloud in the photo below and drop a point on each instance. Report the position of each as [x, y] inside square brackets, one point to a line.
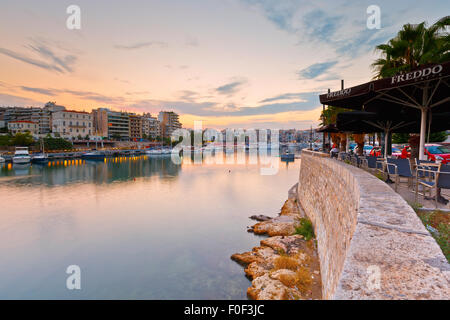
[86, 95]
[284, 96]
[48, 92]
[309, 101]
[315, 70]
[231, 87]
[140, 45]
[50, 66]
[64, 63]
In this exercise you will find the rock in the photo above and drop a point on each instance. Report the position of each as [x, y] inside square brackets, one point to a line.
[246, 258]
[266, 288]
[279, 226]
[290, 245]
[259, 255]
[290, 208]
[255, 270]
[260, 218]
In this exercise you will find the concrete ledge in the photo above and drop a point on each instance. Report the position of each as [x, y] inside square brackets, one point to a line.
[371, 243]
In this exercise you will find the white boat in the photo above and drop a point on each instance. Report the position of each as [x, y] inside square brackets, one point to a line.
[2, 160]
[21, 156]
[153, 152]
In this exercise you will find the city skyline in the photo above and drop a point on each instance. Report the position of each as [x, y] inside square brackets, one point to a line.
[251, 63]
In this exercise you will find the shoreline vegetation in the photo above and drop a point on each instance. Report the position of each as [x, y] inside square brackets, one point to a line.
[286, 264]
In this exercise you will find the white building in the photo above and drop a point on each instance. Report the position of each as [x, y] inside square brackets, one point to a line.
[23, 126]
[71, 124]
[151, 127]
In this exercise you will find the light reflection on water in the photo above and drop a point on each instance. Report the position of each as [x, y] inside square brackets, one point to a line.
[139, 227]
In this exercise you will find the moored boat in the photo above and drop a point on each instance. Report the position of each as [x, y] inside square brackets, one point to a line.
[95, 155]
[21, 156]
[39, 158]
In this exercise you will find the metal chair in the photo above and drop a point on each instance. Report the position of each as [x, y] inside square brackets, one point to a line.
[432, 177]
[399, 168]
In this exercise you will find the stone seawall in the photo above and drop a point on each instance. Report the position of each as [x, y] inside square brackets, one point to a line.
[371, 243]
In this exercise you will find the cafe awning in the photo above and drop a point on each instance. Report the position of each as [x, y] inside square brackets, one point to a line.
[418, 93]
[369, 122]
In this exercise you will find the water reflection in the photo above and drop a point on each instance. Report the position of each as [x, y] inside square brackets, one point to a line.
[138, 227]
[60, 172]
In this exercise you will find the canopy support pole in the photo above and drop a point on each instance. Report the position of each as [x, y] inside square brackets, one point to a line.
[386, 137]
[423, 123]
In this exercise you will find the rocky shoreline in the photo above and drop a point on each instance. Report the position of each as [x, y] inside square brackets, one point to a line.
[285, 266]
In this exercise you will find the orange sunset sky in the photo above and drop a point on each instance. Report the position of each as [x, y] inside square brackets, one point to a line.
[230, 63]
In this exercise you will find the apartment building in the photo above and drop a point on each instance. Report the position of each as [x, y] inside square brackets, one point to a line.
[71, 124]
[135, 126]
[169, 122]
[151, 127]
[111, 124]
[21, 126]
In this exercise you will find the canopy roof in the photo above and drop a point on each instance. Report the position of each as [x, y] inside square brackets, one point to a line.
[420, 92]
[369, 122]
[331, 128]
[405, 90]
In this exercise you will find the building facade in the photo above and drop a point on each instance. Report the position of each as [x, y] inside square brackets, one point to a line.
[22, 126]
[151, 127]
[169, 123]
[135, 126]
[111, 124]
[71, 124]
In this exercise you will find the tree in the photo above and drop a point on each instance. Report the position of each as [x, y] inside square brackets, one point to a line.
[400, 138]
[51, 143]
[414, 46]
[22, 139]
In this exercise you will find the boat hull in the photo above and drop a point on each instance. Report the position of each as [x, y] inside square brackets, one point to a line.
[93, 157]
[21, 160]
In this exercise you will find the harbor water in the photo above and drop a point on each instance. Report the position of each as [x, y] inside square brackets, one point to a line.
[138, 227]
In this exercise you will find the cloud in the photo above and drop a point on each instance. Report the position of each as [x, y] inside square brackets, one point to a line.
[140, 45]
[38, 63]
[12, 100]
[65, 63]
[230, 88]
[88, 95]
[285, 96]
[48, 92]
[315, 70]
[309, 101]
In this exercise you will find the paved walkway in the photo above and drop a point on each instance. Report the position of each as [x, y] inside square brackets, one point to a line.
[409, 195]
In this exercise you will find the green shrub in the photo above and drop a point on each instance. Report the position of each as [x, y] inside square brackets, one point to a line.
[305, 228]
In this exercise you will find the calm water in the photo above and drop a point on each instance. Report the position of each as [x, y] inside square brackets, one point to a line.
[139, 228]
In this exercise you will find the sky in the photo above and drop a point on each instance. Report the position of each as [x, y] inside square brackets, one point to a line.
[228, 63]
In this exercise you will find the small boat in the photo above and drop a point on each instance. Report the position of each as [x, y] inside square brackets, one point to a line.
[153, 152]
[2, 160]
[39, 158]
[21, 156]
[95, 155]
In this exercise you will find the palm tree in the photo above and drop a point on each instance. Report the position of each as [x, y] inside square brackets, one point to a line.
[414, 45]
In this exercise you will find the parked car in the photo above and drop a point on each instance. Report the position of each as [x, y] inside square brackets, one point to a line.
[375, 151]
[366, 149]
[396, 153]
[438, 152]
